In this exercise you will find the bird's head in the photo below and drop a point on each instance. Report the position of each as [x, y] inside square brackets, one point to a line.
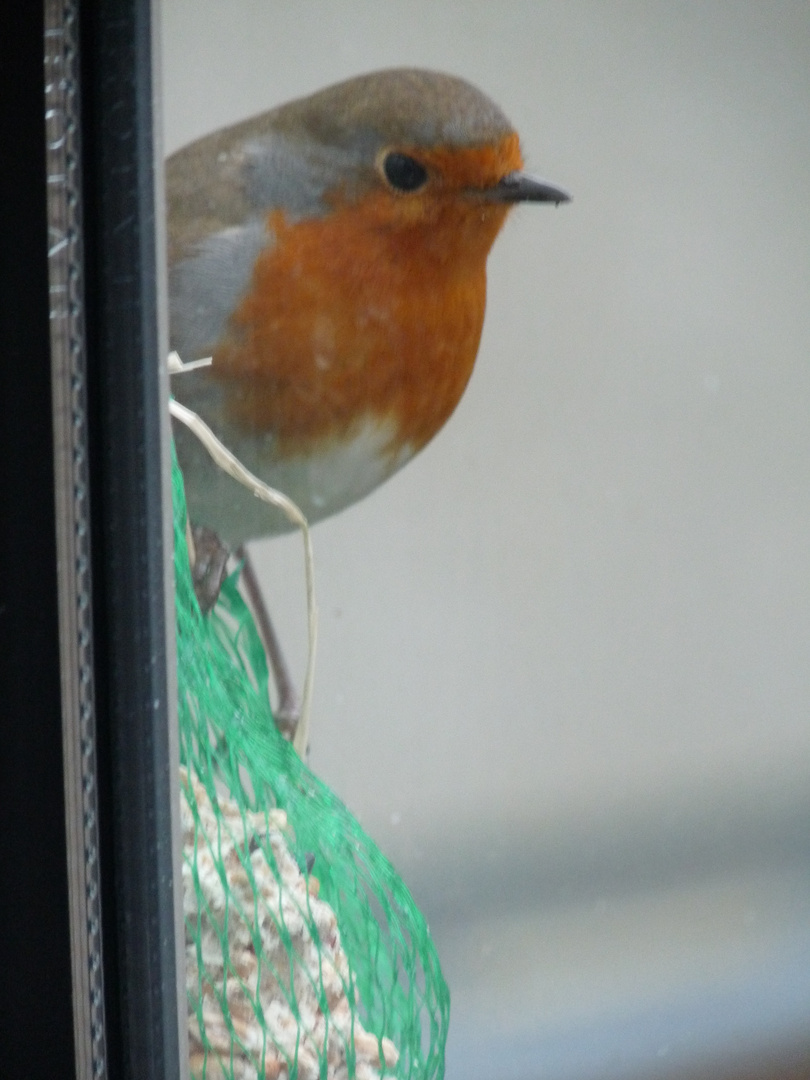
[415, 148]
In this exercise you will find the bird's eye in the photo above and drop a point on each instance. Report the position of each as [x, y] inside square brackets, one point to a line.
[403, 172]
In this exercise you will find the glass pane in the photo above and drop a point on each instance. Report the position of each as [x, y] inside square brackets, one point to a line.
[562, 672]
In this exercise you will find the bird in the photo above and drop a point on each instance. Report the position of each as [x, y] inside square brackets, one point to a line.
[330, 257]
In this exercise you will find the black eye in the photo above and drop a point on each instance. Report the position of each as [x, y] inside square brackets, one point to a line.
[404, 173]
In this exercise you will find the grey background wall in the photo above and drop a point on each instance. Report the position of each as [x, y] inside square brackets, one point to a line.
[562, 672]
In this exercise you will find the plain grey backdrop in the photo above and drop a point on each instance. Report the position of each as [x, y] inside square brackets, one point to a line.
[563, 667]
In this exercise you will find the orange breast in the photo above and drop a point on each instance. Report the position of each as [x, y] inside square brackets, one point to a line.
[376, 309]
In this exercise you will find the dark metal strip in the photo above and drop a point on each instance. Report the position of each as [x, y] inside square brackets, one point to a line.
[68, 375]
[133, 608]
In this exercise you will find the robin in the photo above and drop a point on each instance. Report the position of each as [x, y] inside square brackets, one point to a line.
[330, 256]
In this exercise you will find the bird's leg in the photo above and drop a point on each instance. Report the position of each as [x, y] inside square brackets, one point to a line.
[209, 560]
[288, 711]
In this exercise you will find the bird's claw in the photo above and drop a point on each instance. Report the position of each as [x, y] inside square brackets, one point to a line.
[209, 566]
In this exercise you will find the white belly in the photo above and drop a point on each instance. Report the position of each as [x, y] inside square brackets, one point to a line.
[340, 473]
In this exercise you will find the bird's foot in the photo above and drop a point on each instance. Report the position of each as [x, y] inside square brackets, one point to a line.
[287, 715]
[209, 565]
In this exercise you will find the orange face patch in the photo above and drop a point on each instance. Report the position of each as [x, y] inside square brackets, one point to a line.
[375, 309]
[476, 167]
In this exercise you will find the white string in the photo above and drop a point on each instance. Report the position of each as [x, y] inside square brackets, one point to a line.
[230, 464]
[177, 366]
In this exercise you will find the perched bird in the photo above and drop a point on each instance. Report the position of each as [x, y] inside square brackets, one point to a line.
[330, 255]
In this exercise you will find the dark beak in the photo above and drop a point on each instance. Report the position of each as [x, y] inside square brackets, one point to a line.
[518, 187]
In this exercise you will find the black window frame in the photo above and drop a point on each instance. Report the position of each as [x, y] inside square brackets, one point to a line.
[92, 919]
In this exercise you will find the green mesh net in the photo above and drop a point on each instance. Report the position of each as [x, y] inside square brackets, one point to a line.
[306, 955]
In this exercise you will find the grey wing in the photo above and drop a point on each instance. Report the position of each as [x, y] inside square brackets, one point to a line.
[206, 286]
[220, 191]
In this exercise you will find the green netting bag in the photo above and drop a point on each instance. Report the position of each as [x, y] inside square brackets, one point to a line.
[306, 956]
